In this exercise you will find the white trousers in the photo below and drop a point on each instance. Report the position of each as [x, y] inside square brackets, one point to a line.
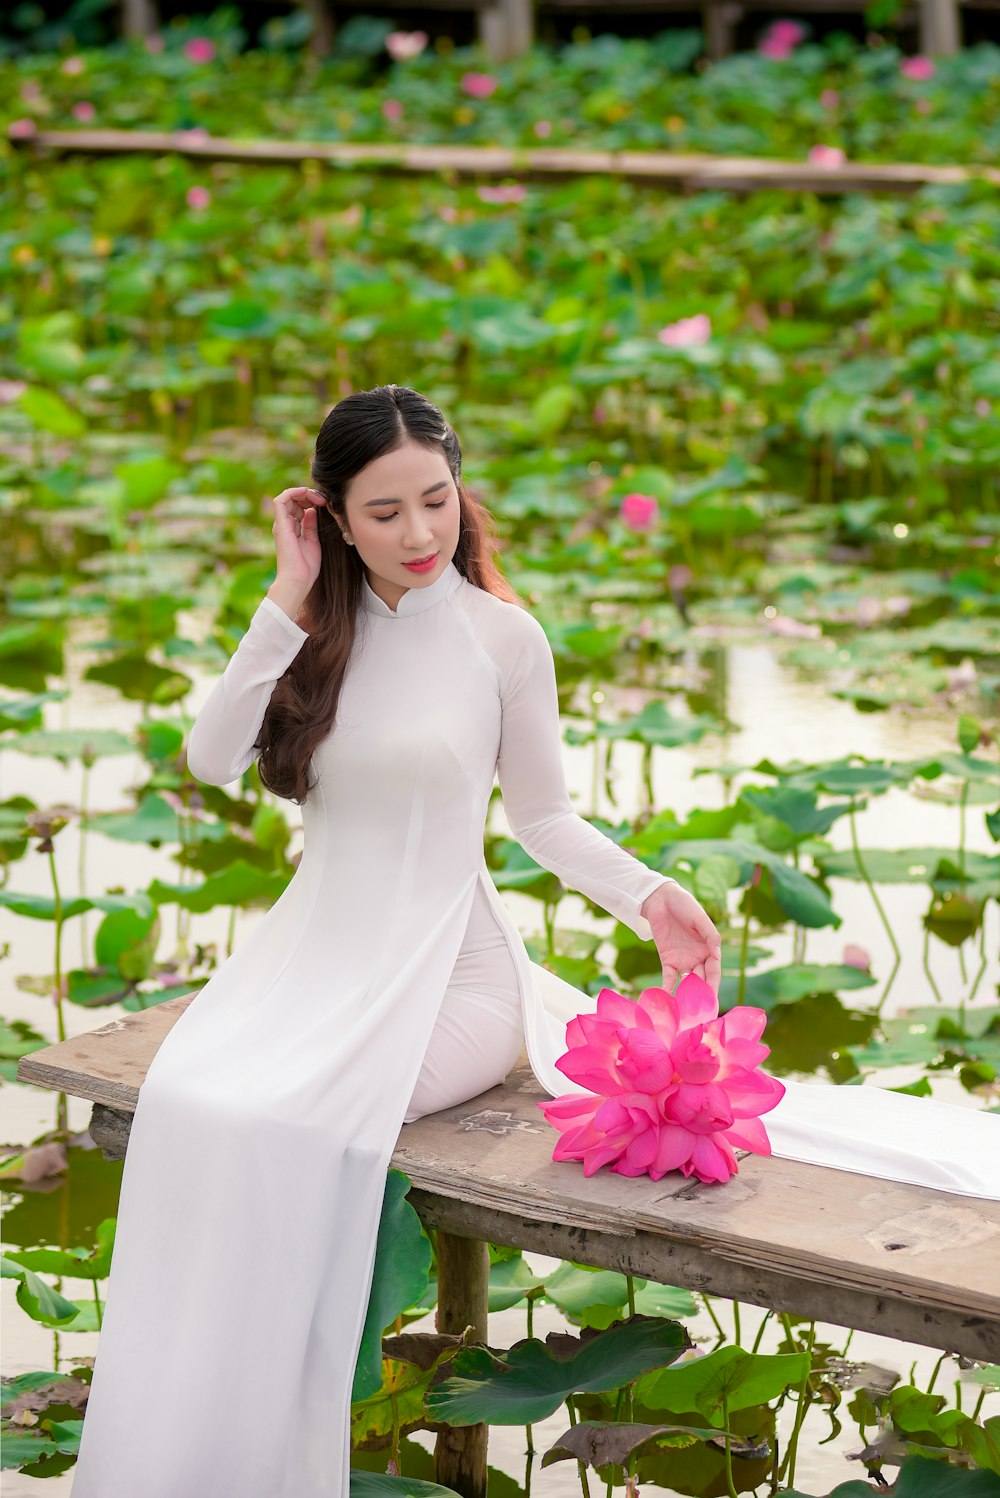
[479, 1031]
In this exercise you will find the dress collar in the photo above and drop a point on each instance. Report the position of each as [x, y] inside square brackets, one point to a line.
[414, 600]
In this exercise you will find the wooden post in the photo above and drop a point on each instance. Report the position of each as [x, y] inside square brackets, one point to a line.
[940, 31]
[463, 1266]
[506, 28]
[139, 18]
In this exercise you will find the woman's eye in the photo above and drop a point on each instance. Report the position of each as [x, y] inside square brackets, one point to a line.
[383, 518]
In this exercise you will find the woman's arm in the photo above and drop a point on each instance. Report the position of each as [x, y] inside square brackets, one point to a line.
[222, 741]
[536, 800]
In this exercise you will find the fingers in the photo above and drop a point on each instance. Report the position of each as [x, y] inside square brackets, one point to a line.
[669, 977]
[713, 969]
[298, 499]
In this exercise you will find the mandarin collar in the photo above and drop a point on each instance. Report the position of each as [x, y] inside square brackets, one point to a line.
[414, 600]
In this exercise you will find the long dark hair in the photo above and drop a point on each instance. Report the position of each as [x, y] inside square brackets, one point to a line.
[360, 428]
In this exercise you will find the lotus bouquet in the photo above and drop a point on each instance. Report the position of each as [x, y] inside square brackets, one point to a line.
[671, 1086]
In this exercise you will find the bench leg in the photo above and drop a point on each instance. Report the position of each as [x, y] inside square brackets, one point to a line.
[463, 1266]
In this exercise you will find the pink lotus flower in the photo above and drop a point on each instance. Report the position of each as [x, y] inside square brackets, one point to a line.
[792, 629]
[827, 156]
[513, 192]
[154, 43]
[781, 39]
[392, 110]
[478, 85]
[790, 32]
[22, 129]
[639, 511]
[670, 1085]
[83, 110]
[543, 129]
[198, 198]
[918, 69]
[829, 98]
[853, 956]
[687, 333]
[199, 49]
[402, 45]
[72, 66]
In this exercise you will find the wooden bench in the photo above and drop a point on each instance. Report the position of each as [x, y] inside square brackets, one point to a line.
[830, 1245]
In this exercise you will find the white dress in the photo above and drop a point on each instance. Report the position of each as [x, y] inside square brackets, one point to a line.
[387, 980]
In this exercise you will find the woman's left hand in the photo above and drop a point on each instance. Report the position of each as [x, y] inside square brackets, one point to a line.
[685, 935]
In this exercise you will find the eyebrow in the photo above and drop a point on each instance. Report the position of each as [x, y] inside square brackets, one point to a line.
[432, 490]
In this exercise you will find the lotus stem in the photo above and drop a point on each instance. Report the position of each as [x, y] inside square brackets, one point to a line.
[935, 1372]
[730, 1483]
[760, 1332]
[802, 1404]
[859, 861]
[744, 940]
[97, 1306]
[81, 871]
[737, 1335]
[927, 966]
[630, 1288]
[982, 963]
[715, 1319]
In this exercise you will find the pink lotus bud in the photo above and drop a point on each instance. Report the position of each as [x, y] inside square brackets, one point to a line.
[827, 156]
[512, 193]
[853, 956]
[22, 129]
[478, 85]
[72, 66]
[392, 109]
[774, 48]
[688, 332]
[198, 197]
[918, 69]
[402, 45]
[199, 49]
[639, 511]
[983, 407]
[543, 129]
[829, 98]
[83, 111]
[790, 32]
[154, 43]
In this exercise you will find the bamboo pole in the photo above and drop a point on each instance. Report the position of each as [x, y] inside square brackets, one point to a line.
[690, 172]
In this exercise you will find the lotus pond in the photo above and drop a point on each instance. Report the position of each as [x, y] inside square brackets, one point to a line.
[742, 455]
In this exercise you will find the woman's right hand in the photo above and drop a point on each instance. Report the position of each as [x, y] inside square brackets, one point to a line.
[297, 547]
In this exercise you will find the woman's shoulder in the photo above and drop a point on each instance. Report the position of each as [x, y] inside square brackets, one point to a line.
[507, 631]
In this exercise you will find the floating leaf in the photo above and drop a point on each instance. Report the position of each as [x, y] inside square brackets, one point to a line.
[532, 1379]
[599, 1444]
[729, 1375]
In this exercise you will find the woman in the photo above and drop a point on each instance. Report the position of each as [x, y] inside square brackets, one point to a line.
[383, 693]
[386, 678]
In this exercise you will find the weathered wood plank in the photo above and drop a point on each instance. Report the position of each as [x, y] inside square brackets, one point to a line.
[841, 1247]
[688, 173]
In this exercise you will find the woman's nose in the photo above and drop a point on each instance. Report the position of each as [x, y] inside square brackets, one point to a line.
[418, 531]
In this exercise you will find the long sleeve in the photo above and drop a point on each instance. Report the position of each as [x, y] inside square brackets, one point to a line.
[221, 744]
[536, 800]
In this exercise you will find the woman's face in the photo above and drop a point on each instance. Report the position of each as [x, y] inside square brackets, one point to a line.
[403, 508]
